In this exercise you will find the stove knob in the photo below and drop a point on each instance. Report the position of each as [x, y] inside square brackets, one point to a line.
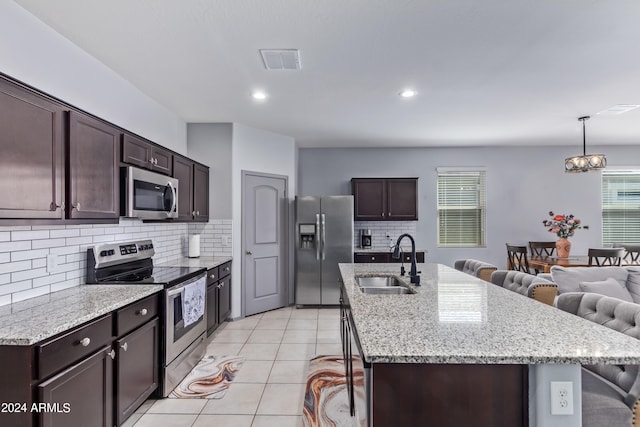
[111, 252]
[104, 253]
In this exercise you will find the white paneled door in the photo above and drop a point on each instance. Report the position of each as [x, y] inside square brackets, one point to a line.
[264, 223]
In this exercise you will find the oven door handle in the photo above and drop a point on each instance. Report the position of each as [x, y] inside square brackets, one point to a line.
[175, 291]
[173, 199]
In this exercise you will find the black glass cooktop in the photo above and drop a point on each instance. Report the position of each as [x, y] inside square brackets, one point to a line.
[168, 276]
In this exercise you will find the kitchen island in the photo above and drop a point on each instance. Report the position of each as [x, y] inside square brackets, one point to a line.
[462, 351]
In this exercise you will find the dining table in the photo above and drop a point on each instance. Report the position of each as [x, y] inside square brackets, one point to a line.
[543, 264]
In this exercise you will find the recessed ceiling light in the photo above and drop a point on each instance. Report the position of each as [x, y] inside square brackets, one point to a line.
[408, 93]
[618, 109]
[259, 95]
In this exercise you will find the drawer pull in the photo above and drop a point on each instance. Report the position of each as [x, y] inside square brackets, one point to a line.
[226, 269]
[143, 312]
[85, 342]
[124, 346]
[212, 276]
[112, 353]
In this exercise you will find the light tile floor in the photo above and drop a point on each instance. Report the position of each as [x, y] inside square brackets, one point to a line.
[269, 388]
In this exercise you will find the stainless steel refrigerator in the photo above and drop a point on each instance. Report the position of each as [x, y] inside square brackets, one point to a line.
[324, 238]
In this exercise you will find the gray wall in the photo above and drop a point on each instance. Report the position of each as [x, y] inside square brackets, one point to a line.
[210, 143]
[523, 184]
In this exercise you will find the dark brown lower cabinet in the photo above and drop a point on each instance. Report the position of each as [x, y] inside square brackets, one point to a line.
[94, 375]
[81, 395]
[224, 299]
[212, 307]
[136, 368]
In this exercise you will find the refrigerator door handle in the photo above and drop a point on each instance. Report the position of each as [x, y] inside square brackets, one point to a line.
[324, 224]
[317, 236]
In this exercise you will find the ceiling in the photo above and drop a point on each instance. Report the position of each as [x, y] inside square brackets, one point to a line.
[491, 72]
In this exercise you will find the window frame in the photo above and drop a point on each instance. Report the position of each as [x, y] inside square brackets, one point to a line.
[478, 174]
[624, 209]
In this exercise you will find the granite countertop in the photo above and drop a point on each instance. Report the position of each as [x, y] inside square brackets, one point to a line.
[30, 321]
[200, 262]
[457, 318]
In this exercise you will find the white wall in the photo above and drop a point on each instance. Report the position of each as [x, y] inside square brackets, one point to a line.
[37, 55]
[523, 184]
[257, 151]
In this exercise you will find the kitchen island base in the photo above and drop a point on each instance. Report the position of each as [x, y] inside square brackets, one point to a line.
[449, 395]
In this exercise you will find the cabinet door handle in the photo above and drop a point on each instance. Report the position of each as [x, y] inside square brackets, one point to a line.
[226, 269]
[193, 213]
[112, 354]
[373, 258]
[85, 341]
[143, 312]
[54, 206]
[249, 253]
[124, 346]
[197, 212]
[76, 206]
[212, 276]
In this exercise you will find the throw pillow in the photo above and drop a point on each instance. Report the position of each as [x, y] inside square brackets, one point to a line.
[610, 287]
[568, 278]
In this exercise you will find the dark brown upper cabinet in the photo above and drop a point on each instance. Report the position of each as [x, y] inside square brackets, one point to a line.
[201, 192]
[31, 155]
[93, 187]
[385, 199]
[193, 189]
[139, 152]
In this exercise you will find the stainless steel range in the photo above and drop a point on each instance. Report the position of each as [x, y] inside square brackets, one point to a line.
[184, 312]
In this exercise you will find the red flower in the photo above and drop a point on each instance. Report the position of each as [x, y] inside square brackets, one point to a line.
[558, 217]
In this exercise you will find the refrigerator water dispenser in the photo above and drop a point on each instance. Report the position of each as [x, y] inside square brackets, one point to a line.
[307, 234]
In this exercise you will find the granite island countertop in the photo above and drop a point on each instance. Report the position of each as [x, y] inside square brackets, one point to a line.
[200, 262]
[35, 319]
[455, 318]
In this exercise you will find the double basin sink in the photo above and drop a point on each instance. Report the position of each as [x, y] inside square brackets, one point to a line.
[383, 285]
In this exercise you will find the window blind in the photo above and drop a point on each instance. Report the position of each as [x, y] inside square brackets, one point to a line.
[461, 208]
[620, 206]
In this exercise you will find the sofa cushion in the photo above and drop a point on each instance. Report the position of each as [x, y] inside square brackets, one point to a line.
[633, 283]
[609, 287]
[602, 403]
[568, 279]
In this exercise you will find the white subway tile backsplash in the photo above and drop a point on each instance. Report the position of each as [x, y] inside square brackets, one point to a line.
[73, 232]
[30, 293]
[9, 267]
[28, 274]
[29, 235]
[15, 246]
[381, 229]
[48, 243]
[32, 254]
[24, 251]
[15, 287]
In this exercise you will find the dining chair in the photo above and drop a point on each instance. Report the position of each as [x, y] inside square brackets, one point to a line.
[542, 248]
[605, 256]
[631, 252]
[517, 256]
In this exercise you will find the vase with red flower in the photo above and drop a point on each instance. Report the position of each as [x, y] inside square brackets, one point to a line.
[564, 226]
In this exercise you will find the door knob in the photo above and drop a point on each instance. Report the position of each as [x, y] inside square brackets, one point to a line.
[249, 253]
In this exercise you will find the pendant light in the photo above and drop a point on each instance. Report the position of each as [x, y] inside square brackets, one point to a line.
[586, 162]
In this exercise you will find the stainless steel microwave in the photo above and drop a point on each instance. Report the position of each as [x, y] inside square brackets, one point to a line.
[147, 195]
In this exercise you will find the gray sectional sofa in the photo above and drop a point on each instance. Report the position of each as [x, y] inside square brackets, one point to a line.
[617, 282]
[475, 268]
[525, 284]
[610, 393]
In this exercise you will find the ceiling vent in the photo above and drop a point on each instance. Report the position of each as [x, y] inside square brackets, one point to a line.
[281, 59]
[618, 109]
